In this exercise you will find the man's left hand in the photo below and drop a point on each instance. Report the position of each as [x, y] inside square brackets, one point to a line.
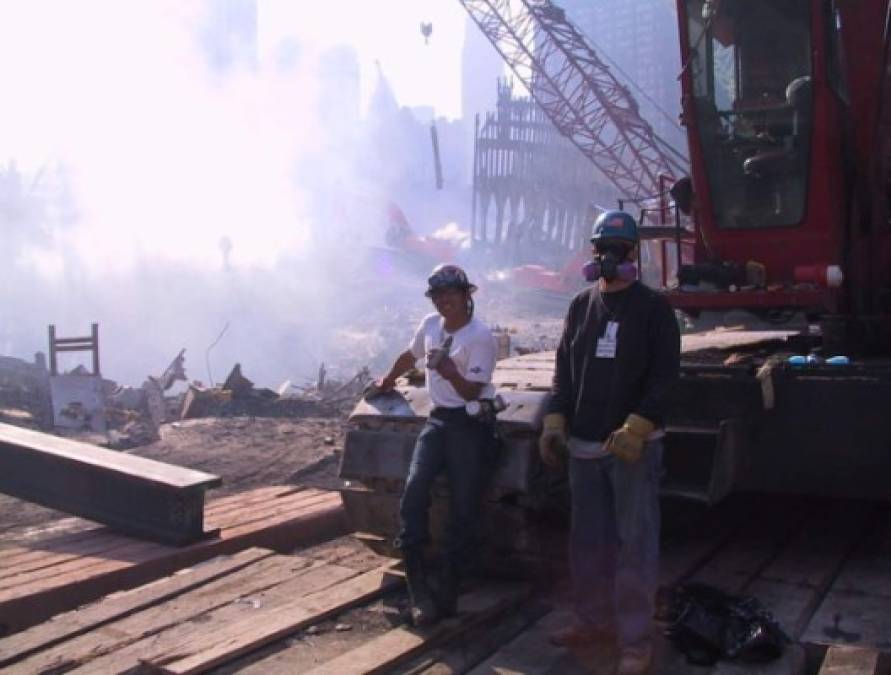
[627, 442]
[447, 368]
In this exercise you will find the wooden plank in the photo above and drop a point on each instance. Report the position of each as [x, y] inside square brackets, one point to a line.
[100, 545]
[219, 508]
[57, 569]
[857, 609]
[51, 542]
[84, 541]
[280, 528]
[466, 653]
[524, 379]
[134, 494]
[851, 619]
[850, 661]
[722, 338]
[77, 622]
[770, 525]
[221, 639]
[66, 533]
[118, 644]
[27, 559]
[284, 506]
[530, 653]
[535, 360]
[793, 585]
[730, 338]
[868, 570]
[130, 551]
[20, 535]
[695, 536]
[400, 644]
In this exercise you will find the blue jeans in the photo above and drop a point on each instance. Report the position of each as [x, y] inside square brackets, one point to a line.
[614, 541]
[464, 447]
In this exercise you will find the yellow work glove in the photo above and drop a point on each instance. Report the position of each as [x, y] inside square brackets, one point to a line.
[552, 442]
[627, 441]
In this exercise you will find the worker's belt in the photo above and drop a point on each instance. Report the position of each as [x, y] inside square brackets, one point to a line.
[448, 415]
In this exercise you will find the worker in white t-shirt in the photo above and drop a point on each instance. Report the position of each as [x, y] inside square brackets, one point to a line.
[460, 358]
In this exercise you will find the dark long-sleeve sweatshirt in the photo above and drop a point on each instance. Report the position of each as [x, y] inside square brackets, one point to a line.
[596, 394]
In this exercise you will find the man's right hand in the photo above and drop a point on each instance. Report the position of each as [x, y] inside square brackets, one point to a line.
[378, 387]
[385, 384]
[552, 442]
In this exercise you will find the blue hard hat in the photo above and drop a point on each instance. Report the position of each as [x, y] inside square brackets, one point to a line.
[615, 225]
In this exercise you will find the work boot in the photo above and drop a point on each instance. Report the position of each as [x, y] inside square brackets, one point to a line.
[447, 595]
[580, 634]
[635, 660]
[422, 610]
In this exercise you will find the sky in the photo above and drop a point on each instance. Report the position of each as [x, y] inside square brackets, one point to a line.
[388, 31]
[167, 157]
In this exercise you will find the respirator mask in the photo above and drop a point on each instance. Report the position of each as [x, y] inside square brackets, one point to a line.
[610, 263]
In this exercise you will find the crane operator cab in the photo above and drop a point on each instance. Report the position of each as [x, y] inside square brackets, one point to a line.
[750, 65]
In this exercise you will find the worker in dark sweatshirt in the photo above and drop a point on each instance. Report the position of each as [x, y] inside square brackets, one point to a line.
[616, 363]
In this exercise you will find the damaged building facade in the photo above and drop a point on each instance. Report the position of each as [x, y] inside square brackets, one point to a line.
[533, 191]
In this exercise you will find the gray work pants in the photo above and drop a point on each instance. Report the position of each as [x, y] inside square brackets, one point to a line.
[614, 541]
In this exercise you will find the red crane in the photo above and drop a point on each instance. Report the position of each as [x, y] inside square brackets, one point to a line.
[578, 92]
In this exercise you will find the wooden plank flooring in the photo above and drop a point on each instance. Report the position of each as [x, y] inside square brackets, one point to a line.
[228, 637]
[69, 625]
[822, 567]
[856, 610]
[381, 654]
[194, 608]
[41, 577]
[850, 661]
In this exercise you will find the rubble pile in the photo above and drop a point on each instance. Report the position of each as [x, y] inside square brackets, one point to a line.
[238, 396]
[131, 416]
[332, 394]
[25, 392]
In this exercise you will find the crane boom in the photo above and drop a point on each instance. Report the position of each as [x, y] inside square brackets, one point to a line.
[578, 92]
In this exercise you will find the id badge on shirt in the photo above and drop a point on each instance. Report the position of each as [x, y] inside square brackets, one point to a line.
[606, 343]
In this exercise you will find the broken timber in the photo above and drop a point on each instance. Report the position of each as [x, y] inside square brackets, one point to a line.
[135, 495]
[44, 575]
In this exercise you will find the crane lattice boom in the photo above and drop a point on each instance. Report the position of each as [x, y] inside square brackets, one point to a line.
[578, 92]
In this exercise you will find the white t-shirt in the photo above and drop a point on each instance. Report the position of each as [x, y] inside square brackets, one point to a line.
[472, 350]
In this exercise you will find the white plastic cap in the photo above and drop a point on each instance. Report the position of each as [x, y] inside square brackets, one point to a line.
[834, 276]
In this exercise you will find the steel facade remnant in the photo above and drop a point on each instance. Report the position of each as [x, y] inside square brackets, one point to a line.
[132, 494]
[532, 188]
[578, 92]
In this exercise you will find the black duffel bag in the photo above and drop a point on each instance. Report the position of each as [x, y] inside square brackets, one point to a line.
[707, 624]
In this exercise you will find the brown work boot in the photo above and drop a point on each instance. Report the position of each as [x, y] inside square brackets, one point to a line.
[579, 634]
[635, 660]
[422, 609]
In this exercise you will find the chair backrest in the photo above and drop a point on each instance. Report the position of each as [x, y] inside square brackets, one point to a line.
[89, 343]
